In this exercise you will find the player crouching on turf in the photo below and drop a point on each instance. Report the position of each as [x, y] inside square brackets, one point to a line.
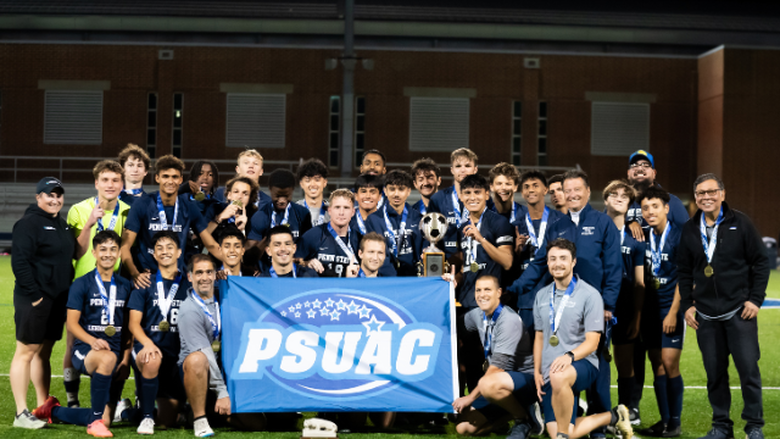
[154, 316]
[569, 317]
[96, 315]
[508, 383]
[200, 327]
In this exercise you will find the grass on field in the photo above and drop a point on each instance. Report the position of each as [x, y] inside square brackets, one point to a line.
[696, 410]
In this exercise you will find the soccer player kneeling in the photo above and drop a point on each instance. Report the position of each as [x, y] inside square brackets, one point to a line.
[96, 315]
[154, 317]
[200, 327]
[508, 384]
[568, 317]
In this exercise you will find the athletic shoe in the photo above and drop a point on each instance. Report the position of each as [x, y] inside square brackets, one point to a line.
[755, 433]
[44, 411]
[655, 430]
[27, 420]
[623, 424]
[672, 432]
[146, 427]
[633, 415]
[202, 428]
[582, 407]
[717, 433]
[519, 431]
[99, 429]
[121, 406]
[537, 421]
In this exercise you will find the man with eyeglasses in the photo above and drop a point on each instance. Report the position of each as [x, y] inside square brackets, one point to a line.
[641, 175]
[723, 272]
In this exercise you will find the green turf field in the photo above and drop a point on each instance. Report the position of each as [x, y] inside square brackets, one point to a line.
[696, 413]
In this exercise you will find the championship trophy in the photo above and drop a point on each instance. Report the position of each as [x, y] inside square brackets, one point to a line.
[433, 227]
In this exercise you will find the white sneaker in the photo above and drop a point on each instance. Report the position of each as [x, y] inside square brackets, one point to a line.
[28, 421]
[146, 427]
[121, 406]
[202, 428]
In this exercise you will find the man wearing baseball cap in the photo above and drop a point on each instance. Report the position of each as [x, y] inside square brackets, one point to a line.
[641, 175]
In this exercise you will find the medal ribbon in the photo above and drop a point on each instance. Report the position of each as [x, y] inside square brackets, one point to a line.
[163, 217]
[163, 301]
[709, 247]
[216, 323]
[622, 235]
[109, 300]
[361, 273]
[134, 192]
[555, 318]
[655, 254]
[489, 324]
[346, 248]
[396, 236]
[272, 272]
[285, 220]
[421, 207]
[114, 217]
[361, 224]
[323, 211]
[513, 215]
[537, 241]
[456, 207]
[472, 244]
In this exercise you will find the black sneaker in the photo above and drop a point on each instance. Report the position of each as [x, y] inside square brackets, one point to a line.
[519, 431]
[672, 431]
[717, 433]
[633, 416]
[537, 421]
[656, 430]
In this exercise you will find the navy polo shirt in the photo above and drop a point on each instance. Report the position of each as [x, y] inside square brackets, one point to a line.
[84, 296]
[662, 298]
[411, 240]
[299, 221]
[145, 301]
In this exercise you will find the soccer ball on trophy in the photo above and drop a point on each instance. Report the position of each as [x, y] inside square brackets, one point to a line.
[433, 227]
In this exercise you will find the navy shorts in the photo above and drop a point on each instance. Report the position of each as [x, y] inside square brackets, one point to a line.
[586, 376]
[524, 391]
[654, 337]
[80, 352]
[170, 382]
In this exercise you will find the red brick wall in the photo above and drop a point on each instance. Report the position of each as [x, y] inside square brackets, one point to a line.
[499, 79]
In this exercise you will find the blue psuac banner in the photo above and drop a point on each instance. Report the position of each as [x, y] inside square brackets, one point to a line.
[383, 344]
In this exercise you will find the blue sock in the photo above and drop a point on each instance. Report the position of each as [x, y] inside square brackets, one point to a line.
[148, 395]
[74, 416]
[675, 394]
[100, 389]
[660, 385]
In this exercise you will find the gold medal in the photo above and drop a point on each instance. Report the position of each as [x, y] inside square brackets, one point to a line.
[485, 366]
[708, 270]
[110, 330]
[200, 196]
[164, 326]
[657, 283]
[554, 340]
[216, 345]
[474, 267]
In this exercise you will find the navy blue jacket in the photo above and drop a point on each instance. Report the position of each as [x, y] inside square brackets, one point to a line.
[598, 257]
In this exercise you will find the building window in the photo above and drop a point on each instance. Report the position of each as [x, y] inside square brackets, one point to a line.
[619, 128]
[334, 122]
[360, 129]
[178, 113]
[255, 120]
[151, 125]
[73, 117]
[438, 124]
[541, 136]
[517, 111]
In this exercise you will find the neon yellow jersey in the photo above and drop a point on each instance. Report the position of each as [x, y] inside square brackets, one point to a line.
[77, 218]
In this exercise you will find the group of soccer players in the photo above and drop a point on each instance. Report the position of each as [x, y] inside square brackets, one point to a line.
[542, 291]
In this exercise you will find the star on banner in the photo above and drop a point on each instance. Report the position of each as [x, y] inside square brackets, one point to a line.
[373, 325]
[329, 303]
[364, 312]
[316, 303]
[334, 315]
[341, 305]
[311, 313]
[353, 308]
